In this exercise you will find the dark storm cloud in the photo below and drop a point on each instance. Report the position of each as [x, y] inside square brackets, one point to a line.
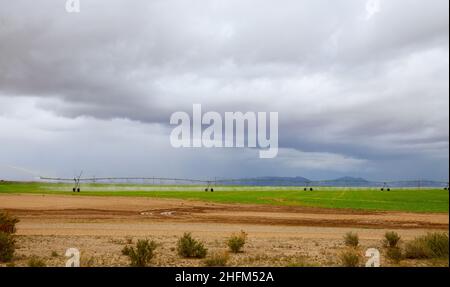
[363, 79]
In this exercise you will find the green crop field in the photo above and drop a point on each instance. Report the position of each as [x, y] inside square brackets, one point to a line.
[411, 200]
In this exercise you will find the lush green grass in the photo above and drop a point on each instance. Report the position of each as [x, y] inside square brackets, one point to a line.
[414, 200]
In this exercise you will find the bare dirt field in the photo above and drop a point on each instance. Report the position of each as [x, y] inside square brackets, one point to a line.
[277, 236]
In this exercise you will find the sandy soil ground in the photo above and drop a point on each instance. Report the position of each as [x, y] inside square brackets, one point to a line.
[278, 236]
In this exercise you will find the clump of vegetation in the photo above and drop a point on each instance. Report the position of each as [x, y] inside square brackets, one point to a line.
[394, 254]
[350, 258]
[7, 247]
[87, 261]
[351, 239]
[391, 239]
[141, 254]
[236, 242]
[55, 254]
[8, 223]
[417, 249]
[217, 259]
[7, 242]
[301, 262]
[36, 262]
[188, 247]
[430, 246]
[438, 244]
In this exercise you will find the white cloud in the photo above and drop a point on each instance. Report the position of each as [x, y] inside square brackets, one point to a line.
[372, 7]
[346, 90]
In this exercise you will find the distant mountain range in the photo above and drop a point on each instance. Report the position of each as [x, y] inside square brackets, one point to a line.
[346, 181]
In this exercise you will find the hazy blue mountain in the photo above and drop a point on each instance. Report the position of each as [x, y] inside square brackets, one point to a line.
[269, 181]
[346, 181]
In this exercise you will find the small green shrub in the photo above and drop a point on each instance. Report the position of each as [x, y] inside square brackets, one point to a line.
[36, 262]
[142, 254]
[217, 259]
[55, 254]
[236, 242]
[394, 254]
[432, 245]
[7, 247]
[8, 223]
[351, 239]
[391, 239]
[188, 247]
[350, 258]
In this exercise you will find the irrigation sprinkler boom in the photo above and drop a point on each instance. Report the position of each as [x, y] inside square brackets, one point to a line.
[211, 184]
[78, 180]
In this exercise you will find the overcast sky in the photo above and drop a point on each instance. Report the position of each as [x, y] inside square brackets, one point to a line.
[361, 87]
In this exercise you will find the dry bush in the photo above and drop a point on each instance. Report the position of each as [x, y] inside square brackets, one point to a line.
[301, 262]
[7, 247]
[142, 254]
[7, 242]
[36, 262]
[394, 254]
[188, 247]
[236, 242]
[350, 258]
[438, 244]
[87, 261]
[217, 259]
[351, 239]
[391, 239]
[430, 246]
[8, 223]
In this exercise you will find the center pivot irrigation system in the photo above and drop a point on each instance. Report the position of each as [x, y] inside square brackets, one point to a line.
[147, 180]
[308, 185]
